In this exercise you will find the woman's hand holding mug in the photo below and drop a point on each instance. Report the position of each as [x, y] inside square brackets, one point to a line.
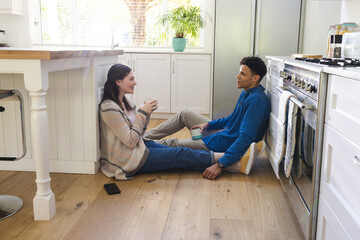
[149, 105]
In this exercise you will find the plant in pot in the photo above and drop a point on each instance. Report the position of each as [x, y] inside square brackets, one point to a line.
[183, 20]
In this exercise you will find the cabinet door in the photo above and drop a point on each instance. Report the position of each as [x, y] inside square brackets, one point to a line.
[340, 176]
[152, 74]
[125, 59]
[190, 83]
[328, 225]
[342, 108]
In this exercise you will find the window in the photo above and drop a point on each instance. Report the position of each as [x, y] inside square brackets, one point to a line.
[102, 22]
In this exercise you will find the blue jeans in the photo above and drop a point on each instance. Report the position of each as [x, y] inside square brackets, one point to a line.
[163, 157]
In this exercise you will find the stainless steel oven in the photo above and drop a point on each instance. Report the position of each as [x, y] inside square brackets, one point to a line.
[303, 77]
[308, 84]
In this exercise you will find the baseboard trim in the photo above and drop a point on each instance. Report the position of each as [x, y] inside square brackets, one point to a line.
[56, 166]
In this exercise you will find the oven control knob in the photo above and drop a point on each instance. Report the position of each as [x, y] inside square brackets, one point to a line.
[310, 88]
[313, 89]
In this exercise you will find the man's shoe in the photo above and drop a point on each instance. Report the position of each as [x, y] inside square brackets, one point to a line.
[248, 160]
[246, 163]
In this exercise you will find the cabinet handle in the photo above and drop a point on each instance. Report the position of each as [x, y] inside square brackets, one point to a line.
[173, 66]
[357, 160]
[133, 66]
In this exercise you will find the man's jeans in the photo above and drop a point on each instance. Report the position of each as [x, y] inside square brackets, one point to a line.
[163, 157]
[185, 118]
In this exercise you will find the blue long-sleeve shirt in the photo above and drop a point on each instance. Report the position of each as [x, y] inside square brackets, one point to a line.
[246, 124]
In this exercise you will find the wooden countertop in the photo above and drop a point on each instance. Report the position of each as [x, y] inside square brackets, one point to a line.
[14, 53]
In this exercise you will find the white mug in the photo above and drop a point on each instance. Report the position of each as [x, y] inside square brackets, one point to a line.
[149, 100]
[196, 133]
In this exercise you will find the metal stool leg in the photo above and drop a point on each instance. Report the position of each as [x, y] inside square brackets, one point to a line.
[9, 205]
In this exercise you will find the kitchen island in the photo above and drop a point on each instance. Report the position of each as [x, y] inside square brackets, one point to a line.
[32, 70]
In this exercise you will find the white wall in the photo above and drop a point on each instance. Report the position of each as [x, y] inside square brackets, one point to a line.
[350, 11]
[319, 15]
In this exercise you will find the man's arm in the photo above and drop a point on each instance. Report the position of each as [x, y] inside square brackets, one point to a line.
[255, 116]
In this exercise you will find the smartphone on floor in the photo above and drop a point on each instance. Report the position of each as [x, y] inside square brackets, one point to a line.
[111, 188]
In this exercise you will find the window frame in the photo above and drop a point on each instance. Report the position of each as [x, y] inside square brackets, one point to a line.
[206, 33]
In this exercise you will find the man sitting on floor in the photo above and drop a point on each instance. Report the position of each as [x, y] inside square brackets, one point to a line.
[239, 135]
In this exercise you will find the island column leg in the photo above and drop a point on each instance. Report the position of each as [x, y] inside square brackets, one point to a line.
[44, 200]
[36, 79]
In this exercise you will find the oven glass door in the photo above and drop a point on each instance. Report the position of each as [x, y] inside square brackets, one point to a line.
[305, 148]
[304, 156]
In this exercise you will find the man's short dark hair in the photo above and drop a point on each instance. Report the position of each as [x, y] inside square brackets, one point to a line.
[256, 65]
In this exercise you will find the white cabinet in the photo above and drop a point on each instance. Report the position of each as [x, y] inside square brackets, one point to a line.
[329, 227]
[339, 208]
[190, 85]
[343, 104]
[11, 7]
[125, 59]
[153, 79]
[177, 81]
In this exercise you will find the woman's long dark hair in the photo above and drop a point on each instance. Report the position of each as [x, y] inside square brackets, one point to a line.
[111, 89]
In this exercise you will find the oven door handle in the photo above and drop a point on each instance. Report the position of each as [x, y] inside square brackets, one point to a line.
[297, 102]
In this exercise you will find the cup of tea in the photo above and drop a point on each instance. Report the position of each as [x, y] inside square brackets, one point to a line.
[196, 134]
[149, 100]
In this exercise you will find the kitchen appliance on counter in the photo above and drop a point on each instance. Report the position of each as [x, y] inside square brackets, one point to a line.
[351, 45]
[244, 28]
[308, 83]
[338, 62]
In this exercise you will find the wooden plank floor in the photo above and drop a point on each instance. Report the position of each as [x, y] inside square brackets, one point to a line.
[165, 205]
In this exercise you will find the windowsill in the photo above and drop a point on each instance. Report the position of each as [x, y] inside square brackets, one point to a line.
[126, 49]
[165, 50]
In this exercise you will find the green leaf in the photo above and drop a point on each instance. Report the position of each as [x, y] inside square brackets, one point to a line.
[183, 20]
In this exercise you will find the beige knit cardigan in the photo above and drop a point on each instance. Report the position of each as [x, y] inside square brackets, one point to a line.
[123, 151]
